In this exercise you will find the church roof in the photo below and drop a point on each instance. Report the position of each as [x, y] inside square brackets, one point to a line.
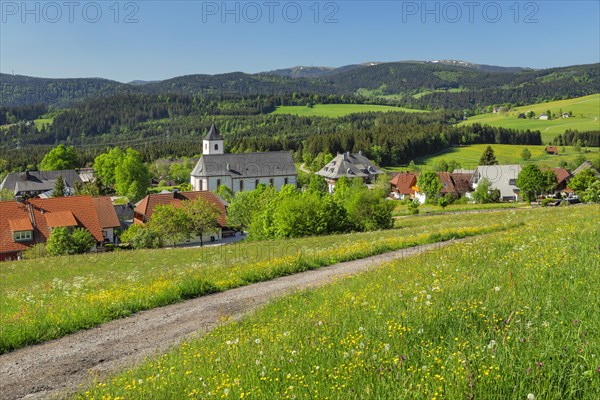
[246, 165]
[213, 134]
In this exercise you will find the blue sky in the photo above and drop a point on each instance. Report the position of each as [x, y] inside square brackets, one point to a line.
[154, 40]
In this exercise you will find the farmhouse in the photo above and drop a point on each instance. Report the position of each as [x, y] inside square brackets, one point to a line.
[351, 166]
[145, 208]
[501, 177]
[585, 165]
[522, 116]
[241, 171]
[404, 185]
[544, 117]
[562, 179]
[551, 150]
[34, 183]
[24, 224]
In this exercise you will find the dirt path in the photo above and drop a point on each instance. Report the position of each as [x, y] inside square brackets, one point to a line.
[55, 368]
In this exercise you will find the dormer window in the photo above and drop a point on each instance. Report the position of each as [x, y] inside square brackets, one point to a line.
[23, 236]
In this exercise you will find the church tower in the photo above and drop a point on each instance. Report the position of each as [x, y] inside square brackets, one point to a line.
[213, 142]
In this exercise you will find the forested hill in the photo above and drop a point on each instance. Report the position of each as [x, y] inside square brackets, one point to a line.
[423, 85]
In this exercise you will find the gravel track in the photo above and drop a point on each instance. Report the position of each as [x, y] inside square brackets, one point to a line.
[59, 367]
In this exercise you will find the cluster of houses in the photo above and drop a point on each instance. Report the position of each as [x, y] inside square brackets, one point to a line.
[31, 217]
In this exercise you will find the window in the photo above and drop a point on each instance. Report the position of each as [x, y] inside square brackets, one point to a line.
[218, 183]
[205, 146]
[216, 147]
[512, 182]
[285, 181]
[271, 181]
[256, 183]
[23, 236]
[241, 185]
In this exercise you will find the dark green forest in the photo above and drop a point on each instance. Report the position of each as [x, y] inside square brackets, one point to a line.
[437, 85]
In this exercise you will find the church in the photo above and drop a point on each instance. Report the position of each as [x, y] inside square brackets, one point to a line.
[240, 171]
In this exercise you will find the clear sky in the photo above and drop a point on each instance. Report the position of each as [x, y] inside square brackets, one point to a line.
[153, 40]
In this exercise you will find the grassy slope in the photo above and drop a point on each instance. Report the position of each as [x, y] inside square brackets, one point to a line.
[513, 314]
[43, 121]
[336, 110]
[468, 156]
[586, 114]
[48, 298]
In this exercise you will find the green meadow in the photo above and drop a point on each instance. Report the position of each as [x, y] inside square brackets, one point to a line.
[586, 114]
[337, 110]
[47, 298]
[468, 156]
[509, 315]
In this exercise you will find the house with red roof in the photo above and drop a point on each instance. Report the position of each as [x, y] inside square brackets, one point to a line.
[25, 224]
[404, 185]
[144, 209]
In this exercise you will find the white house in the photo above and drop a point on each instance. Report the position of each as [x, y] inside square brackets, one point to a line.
[240, 171]
[501, 177]
[351, 166]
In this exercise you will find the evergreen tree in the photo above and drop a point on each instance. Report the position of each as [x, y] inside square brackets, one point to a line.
[59, 187]
[488, 157]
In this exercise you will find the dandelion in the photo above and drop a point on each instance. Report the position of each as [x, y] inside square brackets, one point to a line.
[257, 340]
[497, 289]
[428, 297]
[140, 381]
[530, 396]
[491, 344]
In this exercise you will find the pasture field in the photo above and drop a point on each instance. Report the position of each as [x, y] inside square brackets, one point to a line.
[402, 209]
[510, 315]
[468, 156]
[337, 110]
[586, 114]
[43, 121]
[48, 298]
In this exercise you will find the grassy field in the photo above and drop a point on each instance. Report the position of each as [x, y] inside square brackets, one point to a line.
[586, 114]
[49, 298]
[43, 121]
[468, 156]
[402, 209]
[513, 315]
[337, 110]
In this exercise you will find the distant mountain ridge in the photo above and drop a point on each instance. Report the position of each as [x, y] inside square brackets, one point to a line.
[420, 84]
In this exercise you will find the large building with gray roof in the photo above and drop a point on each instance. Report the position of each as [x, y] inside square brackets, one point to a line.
[240, 171]
[350, 165]
[33, 183]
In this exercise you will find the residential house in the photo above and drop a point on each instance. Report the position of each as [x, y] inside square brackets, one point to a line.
[551, 150]
[501, 177]
[462, 182]
[585, 165]
[562, 179]
[23, 224]
[522, 116]
[496, 110]
[145, 208]
[403, 185]
[566, 115]
[351, 166]
[240, 171]
[34, 183]
[544, 117]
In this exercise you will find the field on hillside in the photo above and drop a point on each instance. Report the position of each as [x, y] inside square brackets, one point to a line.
[468, 156]
[586, 114]
[511, 315]
[49, 298]
[43, 121]
[337, 110]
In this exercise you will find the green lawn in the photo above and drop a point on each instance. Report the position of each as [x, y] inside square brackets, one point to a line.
[468, 156]
[337, 110]
[51, 297]
[43, 121]
[402, 209]
[512, 315]
[586, 114]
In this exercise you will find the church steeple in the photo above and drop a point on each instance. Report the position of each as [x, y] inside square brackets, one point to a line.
[213, 142]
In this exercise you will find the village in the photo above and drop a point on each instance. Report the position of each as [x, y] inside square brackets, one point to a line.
[46, 213]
